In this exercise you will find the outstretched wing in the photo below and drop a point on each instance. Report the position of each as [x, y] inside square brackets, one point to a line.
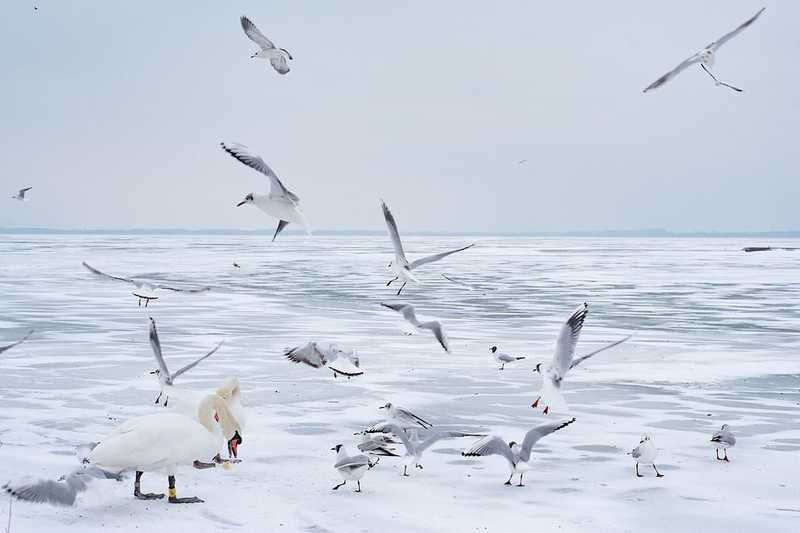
[438, 332]
[391, 224]
[197, 361]
[279, 63]
[310, 354]
[255, 34]
[241, 154]
[407, 310]
[436, 436]
[9, 346]
[533, 436]
[155, 343]
[567, 340]
[491, 445]
[583, 358]
[683, 65]
[394, 429]
[175, 289]
[62, 492]
[730, 35]
[405, 413]
[108, 276]
[436, 257]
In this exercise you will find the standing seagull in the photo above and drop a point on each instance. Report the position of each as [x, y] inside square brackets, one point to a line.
[351, 467]
[408, 313]
[165, 377]
[21, 194]
[280, 203]
[517, 455]
[705, 58]
[404, 416]
[724, 439]
[563, 360]
[400, 266]
[317, 355]
[268, 50]
[145, 290]
[503, 358]
[645, 453]
[9, 346]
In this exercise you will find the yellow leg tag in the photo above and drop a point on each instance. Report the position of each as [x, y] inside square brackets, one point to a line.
[173, 493]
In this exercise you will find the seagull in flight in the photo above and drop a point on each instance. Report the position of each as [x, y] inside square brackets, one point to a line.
[280, 203]
[706, 58]
[9, 346]
[517, 455]
[400, 266]
[277, 56]
[165, 377]
[564, 359]
[317, 355]
[21, 194]
[145, 290]
[407, 310]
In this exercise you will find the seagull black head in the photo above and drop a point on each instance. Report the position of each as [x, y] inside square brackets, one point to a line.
[493, 349]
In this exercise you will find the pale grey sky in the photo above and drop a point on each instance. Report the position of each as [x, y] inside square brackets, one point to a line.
[113, 112]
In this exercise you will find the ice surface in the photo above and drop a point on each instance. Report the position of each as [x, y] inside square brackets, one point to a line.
[715, 342]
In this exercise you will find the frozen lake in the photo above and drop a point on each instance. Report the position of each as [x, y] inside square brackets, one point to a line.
[715, 341]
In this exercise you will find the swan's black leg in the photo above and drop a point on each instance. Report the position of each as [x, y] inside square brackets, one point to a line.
[173, 497]
[139, 494]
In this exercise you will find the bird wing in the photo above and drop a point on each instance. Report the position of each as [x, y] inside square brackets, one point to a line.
[255, 34]
[394, 429]
[156, 345]
[491, 445]
[533, 436]
[356, 460]
[730, 35]
[567, 340]
[411, 416]
[9, 346]
[583, 358]
[109, 276]
[23, 191]
[438, 332]
[197, 361]
[310, 354]
[407, 310]
[279, 63]
[176, 289]
[436, 436]
[683, 65]
[436, 257]
[240, 153]
[636, 452]
[62, 492]
[394, 234]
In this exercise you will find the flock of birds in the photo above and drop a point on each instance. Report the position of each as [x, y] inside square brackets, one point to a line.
[193, 432]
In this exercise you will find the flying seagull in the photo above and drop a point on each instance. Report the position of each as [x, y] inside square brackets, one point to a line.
[724, 439]
[277, 56]
[145, 290]
[318, 355]
[9, 346]
[517, 455]
[165, 377]
[434, 326]
[404, 416]
[21, 194]
[400, 266]
[564, 359]
[280, 203]
[705, 58]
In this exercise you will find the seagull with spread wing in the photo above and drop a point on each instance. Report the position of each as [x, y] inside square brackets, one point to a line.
[280, 203]
[276, 56]
[564, 360]
[317, 355]
[434, 326]
[9, 346]
[706, 58]
[145, 290]
[517, 455]
[400, 266]
[21, 194]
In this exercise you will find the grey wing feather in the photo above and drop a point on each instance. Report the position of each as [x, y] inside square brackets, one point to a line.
[175, 289]
[436, 436]
[438, 332]
[240, 153]
[9, 346]
[62, 492]
[411, 416]
[583, 358]
[155, 343]
[109, 276]
[279, 63]
[255, 34]
[730, 35]
[567, 340]
[197, 361]
[394, 234]
[356, 460]
[636, 453]
[394, 429]
[309, 354]
[683, 65]
[491, 445]
[436, 257]
[406, 310]
[533, 436]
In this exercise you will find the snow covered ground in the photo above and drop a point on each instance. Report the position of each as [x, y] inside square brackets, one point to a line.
[715, 342]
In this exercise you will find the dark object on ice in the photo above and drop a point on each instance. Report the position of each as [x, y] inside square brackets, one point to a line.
[766, 249]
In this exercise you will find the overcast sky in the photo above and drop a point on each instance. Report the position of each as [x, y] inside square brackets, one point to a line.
[113, 112]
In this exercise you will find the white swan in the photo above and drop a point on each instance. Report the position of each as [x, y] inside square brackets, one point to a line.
[160, 442]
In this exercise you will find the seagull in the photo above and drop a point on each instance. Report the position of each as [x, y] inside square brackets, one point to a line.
[165, 377]
[280, 203]
[564, 359]
[377, 444]
[9, 346]
[236, 265]
[645, 453]
[400, 266]
[404, 416]
[145, 290]
[724, 439]
[706, 58]
[318, 355]
[268, 50]
[351, 467]
[517, 455]
[407, 310]
[503, 358]
[21, 194]
[521, 161]
[415, 447]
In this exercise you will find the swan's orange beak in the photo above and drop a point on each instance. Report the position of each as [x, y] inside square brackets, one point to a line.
[233, 445]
